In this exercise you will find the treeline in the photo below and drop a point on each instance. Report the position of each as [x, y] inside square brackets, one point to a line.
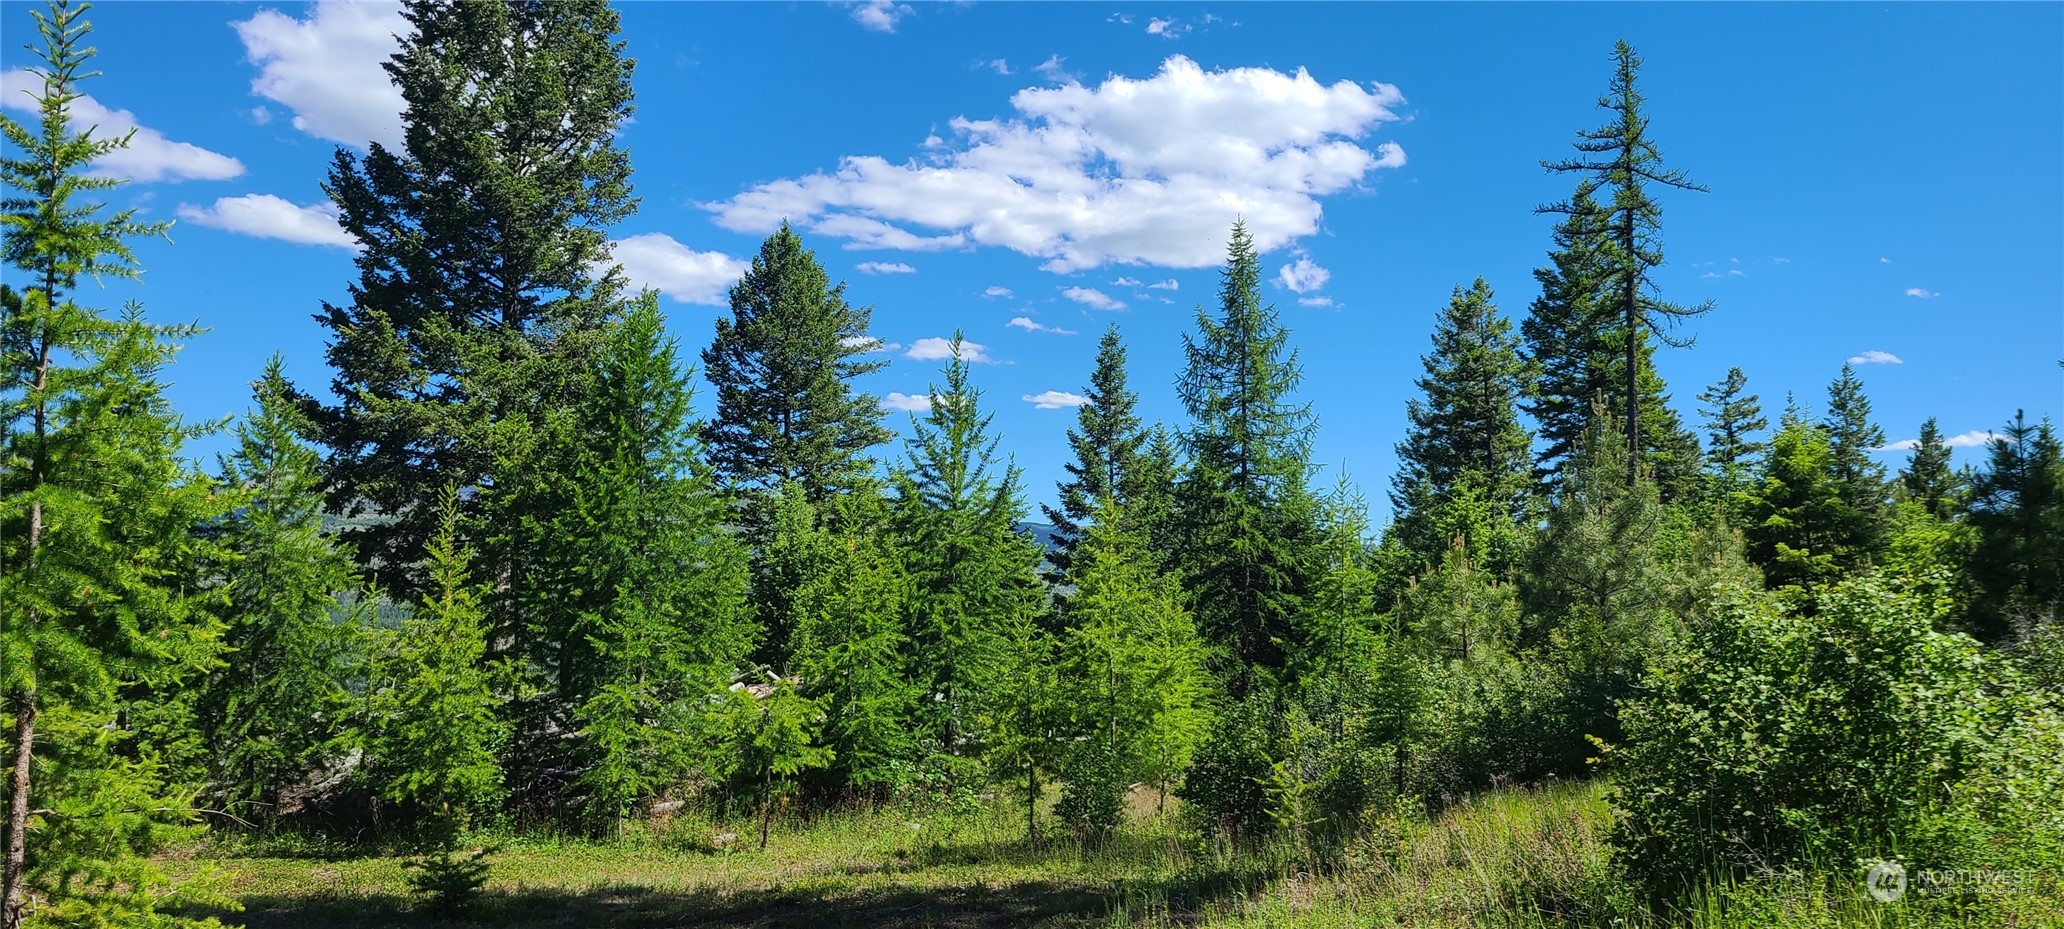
[502, 573]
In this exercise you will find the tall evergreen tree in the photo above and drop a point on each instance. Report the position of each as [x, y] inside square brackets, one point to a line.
[783, 366]
[1732, 421]
[1157, 474]
[281, 707]
[975, 581]
[1927, 478]
[1107, 442]
[1621, 158]
[1246, 512]
[1851, 439]
[1798, 528]
[1465, 432]
[477, 298]
[2017, 506]
[651, 585]
[99, 615]
[1577, 349]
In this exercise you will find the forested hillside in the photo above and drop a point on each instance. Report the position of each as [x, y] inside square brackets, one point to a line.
[495, 593]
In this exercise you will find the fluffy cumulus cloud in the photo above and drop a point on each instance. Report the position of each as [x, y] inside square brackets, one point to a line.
[149, 157]
[1922, 293]
[1149, 171]
[1055, 400]
[1029, 324]
[326, 68]
[268, 217]
[1093, 298]
[938, 349]
[1303, 276]
[879, 15]
[906, 402]
[885, 267]
[655, 260]
[1875, 357]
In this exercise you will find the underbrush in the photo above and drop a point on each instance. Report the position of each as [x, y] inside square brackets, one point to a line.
[1510, 858]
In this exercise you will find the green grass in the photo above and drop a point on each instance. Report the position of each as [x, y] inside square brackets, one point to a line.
[1509, 859]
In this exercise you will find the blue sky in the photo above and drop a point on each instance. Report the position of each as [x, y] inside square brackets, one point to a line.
[1887, 184]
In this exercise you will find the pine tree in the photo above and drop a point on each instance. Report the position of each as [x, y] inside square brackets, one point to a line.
[430, 720]
[1458, 612]
[1465, 433]
[280, 708]
[975, 582]
[783, 366]
[1927, 478]
[2017, 507]
[850, 649]
[1799, 530]
[1337, 621]
[1621, 158]
[773, 729]
[1134, 666]
[477, 307]
[646, 636]
[1596, 578]
[1107, 441]
[1732, 420]
[1859, 480]
[1579, 358]
[99, 615]
[1157, 474]
[1245, 510]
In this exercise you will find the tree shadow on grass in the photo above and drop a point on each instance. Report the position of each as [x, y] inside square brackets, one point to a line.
[1038, 903]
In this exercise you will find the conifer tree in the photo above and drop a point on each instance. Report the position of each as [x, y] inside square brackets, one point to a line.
[99, 614]
[645, 635]
[974, 581]
[1134, 667]
[2017, 507]
[1927, 478]
[1799, 530]
[1621, 159]
[431, 726]
[1465, 434]
[783, 366]
[1596, 578]
[774, 739]
[1107, 441]
[281, 707]
[1732, 420]
[1157, 473]
[1245, 510]
[850, 650]
[1859, 480]
[477, 307]
[1337, 621]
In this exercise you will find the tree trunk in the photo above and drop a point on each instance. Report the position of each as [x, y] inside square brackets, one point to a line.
[12, 896]
[1032, 802]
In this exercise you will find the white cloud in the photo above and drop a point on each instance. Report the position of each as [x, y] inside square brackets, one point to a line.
[1875, 357]
[1779, 261]
[906, 402]
[1000, 66]
[1923, 294]
[261, 115]
[1169, 284]
[1321, 302]
[326, 68]
[1165, 28]
[1976, 438]
[1093, 298]
[1122, 18]
[1028, 324]
[1129, 171]
[1303, 276]
[655, 260]
[870, 343]
[268, 217]
[885, 267]
[1051, 67]
[995, 290]
[1055, 400]
[149, 157]
[1884, 261]
[937, 349]
[879, 15]
[1125, 282]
